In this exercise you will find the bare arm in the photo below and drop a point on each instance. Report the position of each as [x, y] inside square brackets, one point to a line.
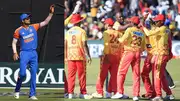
[86, 49]
[122, 28]
[46, 21]
[15, 55]
[14, 42]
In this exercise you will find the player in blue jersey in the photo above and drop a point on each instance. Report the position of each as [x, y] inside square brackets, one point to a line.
[27, 35]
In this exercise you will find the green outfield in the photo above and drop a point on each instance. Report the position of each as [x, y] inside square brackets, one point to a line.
[42, 95]
[93, 70]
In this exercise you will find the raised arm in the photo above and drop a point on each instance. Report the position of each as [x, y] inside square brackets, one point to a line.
[46, 21]
[76, 10]
[124, 27]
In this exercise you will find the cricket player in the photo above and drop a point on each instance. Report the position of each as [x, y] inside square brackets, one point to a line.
[77, 51]
[27, 35]
[160, 58]
[150, 93]
[111, 58]
[167, 74]
[150, 47]
[120, 23]
[66, 22]
[134, 43]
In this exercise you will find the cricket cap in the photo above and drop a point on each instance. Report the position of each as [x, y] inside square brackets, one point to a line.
[24, 16]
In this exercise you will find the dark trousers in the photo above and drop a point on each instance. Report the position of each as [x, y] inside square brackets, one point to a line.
[169, 78]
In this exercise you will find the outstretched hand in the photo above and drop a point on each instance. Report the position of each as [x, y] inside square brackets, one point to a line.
[52, 8]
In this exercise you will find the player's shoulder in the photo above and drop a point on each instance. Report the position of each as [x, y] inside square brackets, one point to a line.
[163, 28]
[106, 32]
[18, 29]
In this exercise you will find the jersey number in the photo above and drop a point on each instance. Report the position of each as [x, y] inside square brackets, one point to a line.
[114, 39]
[73, 41]
[136, 41]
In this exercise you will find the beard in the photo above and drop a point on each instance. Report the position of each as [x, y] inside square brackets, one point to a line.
[27, 23]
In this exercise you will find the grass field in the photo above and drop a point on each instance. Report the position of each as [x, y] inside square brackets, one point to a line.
[93, 70]
[45, 95]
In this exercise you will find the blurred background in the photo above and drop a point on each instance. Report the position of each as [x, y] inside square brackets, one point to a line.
[97, 10]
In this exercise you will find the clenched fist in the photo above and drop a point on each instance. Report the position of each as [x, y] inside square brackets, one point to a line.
[52, 9]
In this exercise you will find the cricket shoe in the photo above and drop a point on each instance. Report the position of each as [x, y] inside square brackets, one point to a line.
[97, 95]
[108, 95]
[169, 97]
[148, 96]
[158, 98]
[71, 96]
[85, 96]
[172, 87]
[119, 96]
[135, 98]
[66, 95]
[33, 98]
[16, 95]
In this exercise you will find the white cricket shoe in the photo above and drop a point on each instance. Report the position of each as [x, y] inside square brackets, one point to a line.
[97, 95]
[169, 97]
[71, 96]
[85, 96]
[108, 95]
[16, 95]
[33, 98]
[157, 99]
[135, 98]
[66, 95]
[117, 96]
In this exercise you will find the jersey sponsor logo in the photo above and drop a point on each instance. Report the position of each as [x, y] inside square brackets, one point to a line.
[28, 36]
[138, 33]
[28, 40]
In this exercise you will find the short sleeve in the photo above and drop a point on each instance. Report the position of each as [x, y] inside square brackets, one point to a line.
[66, 35]
[16, 34]
[36, 26]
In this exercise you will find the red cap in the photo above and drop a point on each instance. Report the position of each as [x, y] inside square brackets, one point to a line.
[135, 19]
[159, 17]
[76, 18]
[109, 21]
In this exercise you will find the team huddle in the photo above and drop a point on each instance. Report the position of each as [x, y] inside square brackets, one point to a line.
[123, 46]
